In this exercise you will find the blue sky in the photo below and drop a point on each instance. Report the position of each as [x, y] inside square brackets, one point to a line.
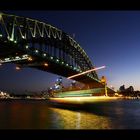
[110, 38]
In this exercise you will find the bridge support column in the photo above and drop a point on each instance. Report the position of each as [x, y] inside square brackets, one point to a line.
[106, 89]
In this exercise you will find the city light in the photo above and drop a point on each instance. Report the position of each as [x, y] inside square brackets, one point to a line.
[17, 57]
[44, 54]
[24, 56]
[26, 46]
[30, 59]
[36, 51]
[46, 64]
[85, 72]
[17, 68]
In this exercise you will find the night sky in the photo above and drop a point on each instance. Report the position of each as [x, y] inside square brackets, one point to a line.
[110, 38]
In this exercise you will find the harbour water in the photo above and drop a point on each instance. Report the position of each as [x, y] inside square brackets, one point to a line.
[38, 114]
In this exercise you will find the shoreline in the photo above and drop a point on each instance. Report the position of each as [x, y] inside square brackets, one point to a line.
[88, 97]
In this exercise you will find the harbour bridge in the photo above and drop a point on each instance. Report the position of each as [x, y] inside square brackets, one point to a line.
[31, 43]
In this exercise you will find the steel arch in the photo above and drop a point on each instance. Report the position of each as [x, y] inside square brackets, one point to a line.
[44, 41]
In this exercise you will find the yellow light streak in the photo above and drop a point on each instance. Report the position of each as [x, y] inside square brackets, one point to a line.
[88, 71]
[81, 100]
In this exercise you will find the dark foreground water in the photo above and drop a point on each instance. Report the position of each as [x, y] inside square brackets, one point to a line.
[30, 114]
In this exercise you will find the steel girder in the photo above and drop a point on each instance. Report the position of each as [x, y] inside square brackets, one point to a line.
[58, 44]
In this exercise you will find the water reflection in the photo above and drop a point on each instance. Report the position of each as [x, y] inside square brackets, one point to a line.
[78, 120]
[22, 114]
[67, 119]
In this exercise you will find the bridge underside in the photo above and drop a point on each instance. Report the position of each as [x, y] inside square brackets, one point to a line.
[9, 50]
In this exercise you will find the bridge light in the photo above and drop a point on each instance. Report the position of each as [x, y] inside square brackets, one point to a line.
[57, 60]
[23, 37]
[36, 51]
[17, 57]
[24, 56]
[62, 62]
[51, 57]
[15, 41]
[0, 35]
[6, 59]
[46, 64]
[74, 68]
[44, 54]
[54, 36]
[26, 46]
[67, 64]
[11, 39]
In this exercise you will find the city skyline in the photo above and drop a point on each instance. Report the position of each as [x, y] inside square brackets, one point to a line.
[110, 38]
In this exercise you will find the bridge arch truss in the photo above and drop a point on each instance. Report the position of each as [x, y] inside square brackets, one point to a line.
[44, 41]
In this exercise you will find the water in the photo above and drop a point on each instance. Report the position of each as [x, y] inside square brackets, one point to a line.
[33, 114]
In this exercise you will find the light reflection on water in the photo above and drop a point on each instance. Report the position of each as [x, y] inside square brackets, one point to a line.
[23, 114]
[68, 119]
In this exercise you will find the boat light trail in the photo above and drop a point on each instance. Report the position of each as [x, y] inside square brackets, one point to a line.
[88, 71]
